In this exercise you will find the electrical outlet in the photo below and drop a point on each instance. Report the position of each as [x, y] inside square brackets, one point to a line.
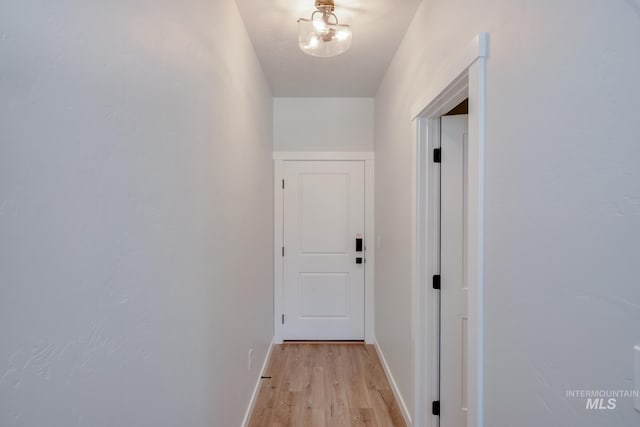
[250, 364]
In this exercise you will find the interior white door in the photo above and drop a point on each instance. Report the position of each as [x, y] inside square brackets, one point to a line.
[454, 290]
[323, 283]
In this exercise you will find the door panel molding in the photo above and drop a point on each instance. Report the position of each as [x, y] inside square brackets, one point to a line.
[278, 240]
[454, 289]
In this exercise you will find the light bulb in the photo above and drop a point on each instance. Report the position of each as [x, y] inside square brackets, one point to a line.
[320, 27]
[343, 35]
[314, 42]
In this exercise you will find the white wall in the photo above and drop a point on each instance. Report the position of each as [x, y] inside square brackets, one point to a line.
[562, 299]
[323, 124]
[135, 213]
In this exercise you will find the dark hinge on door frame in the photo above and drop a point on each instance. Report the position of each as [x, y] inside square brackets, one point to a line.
[283, 251]
[283, 319]
[437, 153]
[283, 184]
[436, 281]
[435, 407]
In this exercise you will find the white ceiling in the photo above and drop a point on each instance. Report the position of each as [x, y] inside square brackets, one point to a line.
[377, 25]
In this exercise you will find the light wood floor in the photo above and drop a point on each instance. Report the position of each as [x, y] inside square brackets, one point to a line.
[318, 385]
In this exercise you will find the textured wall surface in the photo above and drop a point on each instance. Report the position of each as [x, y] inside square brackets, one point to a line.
[562, 297]
[135, 213]
[323, 124]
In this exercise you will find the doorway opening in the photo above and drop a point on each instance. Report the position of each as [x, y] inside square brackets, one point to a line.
[462, 78]
[462, 108]
[323, 259]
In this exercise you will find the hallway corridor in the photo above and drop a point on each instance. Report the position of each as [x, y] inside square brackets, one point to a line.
[325, 385]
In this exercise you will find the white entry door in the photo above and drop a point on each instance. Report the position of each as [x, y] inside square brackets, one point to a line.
[323, 272]
[454, 290]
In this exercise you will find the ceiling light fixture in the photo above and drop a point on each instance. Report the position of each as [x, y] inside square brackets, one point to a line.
[323, 35]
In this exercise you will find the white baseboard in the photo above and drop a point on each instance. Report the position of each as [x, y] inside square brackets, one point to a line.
[394, 387]
[256, 389]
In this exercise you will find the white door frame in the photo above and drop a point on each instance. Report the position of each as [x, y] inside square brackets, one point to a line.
[461, 76]
[279, 158]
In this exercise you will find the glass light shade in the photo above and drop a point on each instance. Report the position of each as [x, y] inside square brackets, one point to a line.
[319, 38]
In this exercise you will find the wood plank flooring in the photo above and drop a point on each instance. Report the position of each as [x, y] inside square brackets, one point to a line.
[325, 385]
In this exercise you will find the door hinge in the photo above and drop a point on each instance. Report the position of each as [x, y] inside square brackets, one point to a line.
[436, 281]
[435, 407]
[283, 184]
[283, 319]
[283, 251]
[436, 155]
